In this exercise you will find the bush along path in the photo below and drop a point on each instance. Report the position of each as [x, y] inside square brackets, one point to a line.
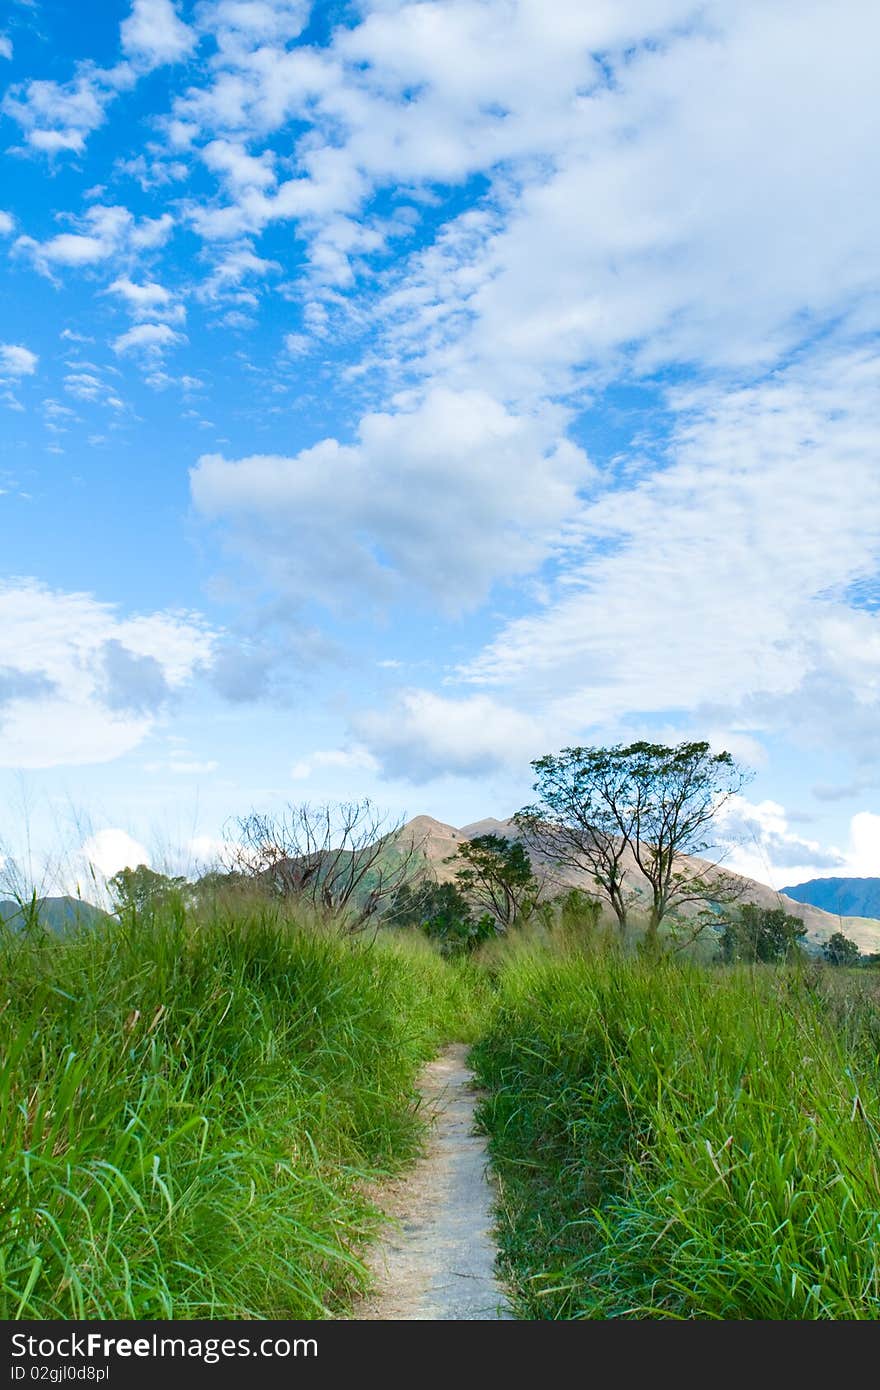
[437, 1261]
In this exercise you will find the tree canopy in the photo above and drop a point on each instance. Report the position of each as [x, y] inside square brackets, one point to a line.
[142, 889]
[496, 876]
[600, 809]
[840, 950]
[767, 934]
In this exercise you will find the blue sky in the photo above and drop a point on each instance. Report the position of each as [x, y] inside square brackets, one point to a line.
[395, 392]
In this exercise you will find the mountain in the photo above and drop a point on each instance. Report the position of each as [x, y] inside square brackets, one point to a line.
[57, 915]
[437, 842]
[847, 897]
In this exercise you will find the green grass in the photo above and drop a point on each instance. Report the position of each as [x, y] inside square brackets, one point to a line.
[676, 1141]
[194, 1107]
[191, 1109]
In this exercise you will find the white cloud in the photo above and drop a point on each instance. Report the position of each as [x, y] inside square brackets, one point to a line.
[112, 849]
[154, 34]
[447, 497]
[16, 361]
[5, 46]
[58, 116]
[297, 344]
[152, 339]
[239, 169]
[763, 845]
[863, 853]
[151, 232]
[7, 224]
[236, 22]
[677, 168]
[104, 231]
[144, 298]
[424, 735]
[101, 679]
[68, 248]
[689, 212]
[154, 172]
[235, 277]
[86, 383]
[208, 850]
[148, 300]
[357, 759]
[721, 580]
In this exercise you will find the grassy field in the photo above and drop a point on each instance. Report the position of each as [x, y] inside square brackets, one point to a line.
[677, 1141]
[194, 1103]
[190, 1107]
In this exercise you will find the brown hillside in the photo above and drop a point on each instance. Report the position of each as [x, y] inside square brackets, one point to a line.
[438, 842]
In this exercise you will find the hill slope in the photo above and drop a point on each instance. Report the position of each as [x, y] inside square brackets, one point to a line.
[57, 915]
[438, 842]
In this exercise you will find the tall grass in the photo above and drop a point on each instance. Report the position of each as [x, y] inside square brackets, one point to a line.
[190, 1109]
[675, 1141]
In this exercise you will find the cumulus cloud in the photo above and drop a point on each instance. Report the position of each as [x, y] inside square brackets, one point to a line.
[447, 497]
[234, 22]
[112, 849]
[151, 340]
[424, 735]
[147, 300]
[59, 116]
[762, 843]
[235, 277]
[17, 361]
[154, 34]
[7, 224]
[103, 231]
[89, 681]
[239, 169]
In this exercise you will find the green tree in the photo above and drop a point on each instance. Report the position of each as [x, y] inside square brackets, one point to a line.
[579, 914]
[767, 934]
[443, 913]
[142, 889]
[840, 950]
[496, 877]
[600, 809]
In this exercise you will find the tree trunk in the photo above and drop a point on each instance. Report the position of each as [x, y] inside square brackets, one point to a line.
[652, 934]
[621, 915]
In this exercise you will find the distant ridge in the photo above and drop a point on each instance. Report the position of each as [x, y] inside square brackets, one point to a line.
[848, 897]
[57, 915]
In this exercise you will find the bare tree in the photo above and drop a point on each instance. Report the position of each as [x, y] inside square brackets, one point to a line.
[344, 859]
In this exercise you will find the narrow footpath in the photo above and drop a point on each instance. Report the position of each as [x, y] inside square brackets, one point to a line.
[438, 1256]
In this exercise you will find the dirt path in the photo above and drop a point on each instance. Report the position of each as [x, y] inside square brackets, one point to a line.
[437, 1260]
